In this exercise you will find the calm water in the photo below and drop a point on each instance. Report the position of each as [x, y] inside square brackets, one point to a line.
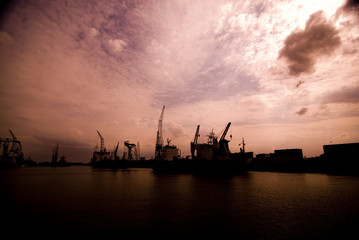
[136, 202]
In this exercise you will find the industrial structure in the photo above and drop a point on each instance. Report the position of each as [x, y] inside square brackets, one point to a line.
[281, 156]
[55, 154]
[170, 152]
[115, 156]
[131, 151]
[55, 162]
[214, 149]
[214, 156]
[289, 160]
[11, 156]
[342, 158]
[106, 159]
[159, 137]
[167, 152]
[102, 154]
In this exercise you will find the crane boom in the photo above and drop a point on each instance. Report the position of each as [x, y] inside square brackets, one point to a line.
[130, 146]
[102, 148]
[196, 136]
[116, 149]
[225, 131]
[159, 139]
[160, 131]
[13, 135]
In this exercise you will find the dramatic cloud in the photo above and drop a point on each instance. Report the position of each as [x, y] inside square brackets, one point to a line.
[302, 48]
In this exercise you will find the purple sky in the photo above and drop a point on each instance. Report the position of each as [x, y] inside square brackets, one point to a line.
[285, 73]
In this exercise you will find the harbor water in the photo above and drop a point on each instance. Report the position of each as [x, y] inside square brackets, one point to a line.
[136, 203]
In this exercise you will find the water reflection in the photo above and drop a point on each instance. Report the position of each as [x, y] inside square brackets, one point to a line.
[137, 202]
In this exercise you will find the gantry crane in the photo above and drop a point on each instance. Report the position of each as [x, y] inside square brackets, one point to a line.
[131, 147]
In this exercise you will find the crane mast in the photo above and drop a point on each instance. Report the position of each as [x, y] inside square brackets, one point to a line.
[102, 154]
[159, 139]
[102, 147]
[196, 136]
[195, 141]
[14, 154]
[115, 157]
[13, 135]
[55, 154]
[131, 155]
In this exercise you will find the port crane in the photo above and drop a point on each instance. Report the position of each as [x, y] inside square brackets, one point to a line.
[115, 157]
[16, 147]
[225, 133]
[131, 150]
[196, 135]
[102, 146]
[55, 154]
[102, 154]
[223, 143]
[14, 154]
[195, 142]
[159, 139]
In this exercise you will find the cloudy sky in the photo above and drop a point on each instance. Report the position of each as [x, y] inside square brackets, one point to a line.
[285, 73]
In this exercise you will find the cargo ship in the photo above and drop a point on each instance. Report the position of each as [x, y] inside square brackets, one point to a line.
[211, 158]
[168, 160]
[214, 157]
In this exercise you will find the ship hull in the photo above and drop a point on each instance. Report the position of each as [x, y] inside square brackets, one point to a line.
[173, 166]
[235, 164]
[219, 167]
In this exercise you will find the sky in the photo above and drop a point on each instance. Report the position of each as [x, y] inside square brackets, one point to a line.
[284, 73]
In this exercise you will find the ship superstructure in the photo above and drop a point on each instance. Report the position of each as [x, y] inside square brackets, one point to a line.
[214, 149]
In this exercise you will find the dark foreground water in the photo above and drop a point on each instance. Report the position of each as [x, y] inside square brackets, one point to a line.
[136, 202]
